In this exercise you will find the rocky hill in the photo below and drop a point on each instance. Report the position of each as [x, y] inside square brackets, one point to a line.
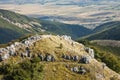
[61, 57]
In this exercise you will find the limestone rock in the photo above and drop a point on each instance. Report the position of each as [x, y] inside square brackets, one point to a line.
[85, 59]
[4, 56]
[41, 57]
[75, 69]
[49, 58]
[76, 58]
[90, 51]
[82, 70]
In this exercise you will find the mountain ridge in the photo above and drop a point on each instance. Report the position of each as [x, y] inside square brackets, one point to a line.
[65, 55]
[107, 31]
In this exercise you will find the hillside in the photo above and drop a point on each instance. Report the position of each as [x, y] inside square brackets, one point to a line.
[107, 31]
[13, 23]
[61, 58]
[9, 31]
[107, 51]
[74, 31]
[14, 26]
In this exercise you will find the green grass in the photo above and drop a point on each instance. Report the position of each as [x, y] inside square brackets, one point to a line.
[9, 32]
[107, 54]
[107, 31]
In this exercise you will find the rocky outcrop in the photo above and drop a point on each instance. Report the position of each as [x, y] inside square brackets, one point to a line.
[90, 51]
[85, 59]
[11, 50]
[79, 69]
[5, 53]
[69, 57]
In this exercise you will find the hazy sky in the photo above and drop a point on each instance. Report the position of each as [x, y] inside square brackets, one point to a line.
[42, 1]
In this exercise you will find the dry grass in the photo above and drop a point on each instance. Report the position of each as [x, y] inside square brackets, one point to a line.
[52, 46]
[60, 69]
[57, 70]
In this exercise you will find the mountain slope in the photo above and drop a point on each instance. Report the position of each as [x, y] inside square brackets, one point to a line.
[14, 26]
[9, 32]
[74, 31]
[107, 51]
[108, 31]
[13, 23]
[65, 59]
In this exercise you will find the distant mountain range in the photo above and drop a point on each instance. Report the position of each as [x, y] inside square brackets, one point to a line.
[13, 26]
[89, 13]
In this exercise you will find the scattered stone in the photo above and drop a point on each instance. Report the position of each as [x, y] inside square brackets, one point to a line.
[85, 60]
[22, 55]
[90, 51]
[75, 69]
[41, 57]
[52, 59]
[103, 65]
[99, 76]
[76, 58]
[64, 56]
[82, 70]
[29, 55]
[48, 58]
[68, 57]
[4, 56]
[67, 65]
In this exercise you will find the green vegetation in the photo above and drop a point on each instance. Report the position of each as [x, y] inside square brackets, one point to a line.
[13, 41]
[108, 31]
[107, 54]
[26, 70]
[15, 17]
[9, 31]
[74, 31]
[111, 60]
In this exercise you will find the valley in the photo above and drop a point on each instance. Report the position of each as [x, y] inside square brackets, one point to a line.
[89, 14]
[59, 40]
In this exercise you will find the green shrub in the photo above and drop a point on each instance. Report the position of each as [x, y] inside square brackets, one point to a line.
[25, 70]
